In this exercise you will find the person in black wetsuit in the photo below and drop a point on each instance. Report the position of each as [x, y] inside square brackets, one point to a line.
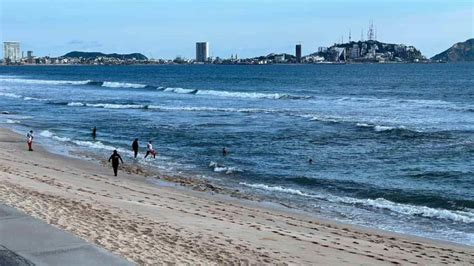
[135, 147]
[94, 132]
[115, 157]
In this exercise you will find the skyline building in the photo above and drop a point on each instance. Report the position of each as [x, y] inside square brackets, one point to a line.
[298, 53]
[11, 52]
[202, 51]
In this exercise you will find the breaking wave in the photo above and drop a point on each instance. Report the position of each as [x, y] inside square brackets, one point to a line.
[10, 95]
[180, 90]
[251, 95]
[379, 203]
[380, 128]
[45, 82]
[126, 85]
[89, 144]
[122, 85]
[220, 168]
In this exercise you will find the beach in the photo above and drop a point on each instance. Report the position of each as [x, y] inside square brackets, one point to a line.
[168, 223]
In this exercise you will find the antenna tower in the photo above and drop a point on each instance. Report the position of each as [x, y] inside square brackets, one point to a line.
[370, 33]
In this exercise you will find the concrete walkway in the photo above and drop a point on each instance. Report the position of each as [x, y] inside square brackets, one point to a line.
[25, 240]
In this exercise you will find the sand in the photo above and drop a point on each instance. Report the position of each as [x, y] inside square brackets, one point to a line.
[154, 224]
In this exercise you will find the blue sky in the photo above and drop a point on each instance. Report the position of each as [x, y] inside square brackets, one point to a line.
[165, 29]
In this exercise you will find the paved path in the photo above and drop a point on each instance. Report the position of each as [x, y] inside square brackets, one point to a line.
[25, 240]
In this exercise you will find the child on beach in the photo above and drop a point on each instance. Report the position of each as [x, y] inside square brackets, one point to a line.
[29, 140]
[150, 150]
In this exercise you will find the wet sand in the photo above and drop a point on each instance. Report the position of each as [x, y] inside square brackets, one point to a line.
[150, 224]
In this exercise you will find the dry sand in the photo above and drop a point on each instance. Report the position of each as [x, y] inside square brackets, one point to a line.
[157, 224]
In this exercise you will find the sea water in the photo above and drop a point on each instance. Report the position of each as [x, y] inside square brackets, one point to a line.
[392, 145]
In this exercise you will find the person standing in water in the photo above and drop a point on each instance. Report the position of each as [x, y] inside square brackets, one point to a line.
[150, 150]
[135, 148]
[115, 157]
[29, 140]
[94, 132]
[224, 152]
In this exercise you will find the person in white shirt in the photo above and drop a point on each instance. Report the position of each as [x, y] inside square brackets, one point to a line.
[150, 150]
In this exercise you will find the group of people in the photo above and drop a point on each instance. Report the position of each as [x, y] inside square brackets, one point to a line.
[115, 157]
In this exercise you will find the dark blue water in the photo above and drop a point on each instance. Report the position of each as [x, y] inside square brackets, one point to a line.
[392, 145]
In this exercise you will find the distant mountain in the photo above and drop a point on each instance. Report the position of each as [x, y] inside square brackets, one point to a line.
[93, 55]
[459, 52]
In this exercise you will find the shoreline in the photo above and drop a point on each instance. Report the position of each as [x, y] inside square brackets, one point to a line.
[171, 223]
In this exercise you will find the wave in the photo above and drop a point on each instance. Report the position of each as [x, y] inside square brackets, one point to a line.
[94, 145]
[219, 168]
[45, 82]
[379, 203]
[83, 143]
[49, 134]
[168, 108]
[10, 95]
[12, 121]
[181, 90]
[111, 84]
[381, 128]
[34, 99]
[116, 84]
[251, 95]
[106, 105]
[17, 96]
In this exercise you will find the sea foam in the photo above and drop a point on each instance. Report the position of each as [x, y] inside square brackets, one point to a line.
[379, 203]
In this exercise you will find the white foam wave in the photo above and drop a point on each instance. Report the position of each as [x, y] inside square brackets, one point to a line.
[111, 84]
[107, 105]
[383, 128]
[11, 121]
[34, 99]
[380, 128]
[276, 189]
[46, 133]
[219, 168]
[211, 109]
[10, 95]
[364, 125]
[90, 144]
[379, 203]
[94, 145]
[180, 90]
[116, 106]
[45, 82]
[76, 104]
[251, 95]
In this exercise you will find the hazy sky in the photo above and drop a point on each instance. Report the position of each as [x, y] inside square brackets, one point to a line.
[165, 29]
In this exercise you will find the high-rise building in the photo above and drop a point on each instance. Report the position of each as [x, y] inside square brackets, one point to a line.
[298, 53]
[11, 52]
[202, 51]
[29, 57]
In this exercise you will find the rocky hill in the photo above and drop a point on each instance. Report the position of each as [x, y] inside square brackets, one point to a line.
[459, 52]
[370, 51]
[95, 55]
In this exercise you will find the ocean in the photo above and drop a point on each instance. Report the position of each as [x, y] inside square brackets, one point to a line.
[392, 144]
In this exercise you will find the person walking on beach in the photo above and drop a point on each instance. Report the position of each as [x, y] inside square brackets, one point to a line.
[135, 147]
[150, 150]
[115, 157]
[29, 140]
[94, 132]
